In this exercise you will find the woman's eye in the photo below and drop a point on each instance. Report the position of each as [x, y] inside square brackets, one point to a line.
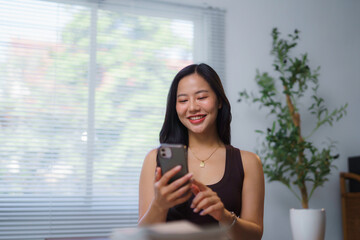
[182, 101]
[201, 98]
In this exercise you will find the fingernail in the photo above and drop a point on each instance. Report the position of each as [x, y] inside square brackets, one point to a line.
[192, 206]
[195, 210]
[201, 213]
[178, 166]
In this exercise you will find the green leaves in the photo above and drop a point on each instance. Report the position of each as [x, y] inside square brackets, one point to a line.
[321, 112]
[287, 156]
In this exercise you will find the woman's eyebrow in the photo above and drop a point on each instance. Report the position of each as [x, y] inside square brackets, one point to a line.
[201, 91]
[184, 94]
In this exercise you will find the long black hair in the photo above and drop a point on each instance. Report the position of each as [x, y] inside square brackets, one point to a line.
[173, 131]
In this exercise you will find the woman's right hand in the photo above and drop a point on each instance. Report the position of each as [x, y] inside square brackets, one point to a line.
[169, 195]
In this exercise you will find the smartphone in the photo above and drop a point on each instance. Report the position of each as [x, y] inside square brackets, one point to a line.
[170, 156]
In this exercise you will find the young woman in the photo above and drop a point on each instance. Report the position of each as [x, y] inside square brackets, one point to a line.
[224, 185]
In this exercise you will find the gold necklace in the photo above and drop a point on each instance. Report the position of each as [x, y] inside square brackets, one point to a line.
[202, 161]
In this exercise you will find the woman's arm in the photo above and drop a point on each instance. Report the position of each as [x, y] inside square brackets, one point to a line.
[249, 225]
[156, 196]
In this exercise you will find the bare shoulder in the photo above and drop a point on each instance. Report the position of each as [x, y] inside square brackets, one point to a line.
[251, 161]
[147, 176]
[148, 168]
[150, 158]
[151, 155]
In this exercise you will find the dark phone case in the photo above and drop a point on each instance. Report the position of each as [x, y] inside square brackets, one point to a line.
[179, 157]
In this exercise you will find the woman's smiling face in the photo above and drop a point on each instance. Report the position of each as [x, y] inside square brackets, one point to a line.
[197, 104]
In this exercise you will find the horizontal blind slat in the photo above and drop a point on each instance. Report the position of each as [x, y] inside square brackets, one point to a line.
[52, 183]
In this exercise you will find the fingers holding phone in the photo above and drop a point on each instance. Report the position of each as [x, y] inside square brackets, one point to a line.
[172, 180]
[170, 156]
[167, 194]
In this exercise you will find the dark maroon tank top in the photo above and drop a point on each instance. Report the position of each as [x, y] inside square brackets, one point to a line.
[229, 189]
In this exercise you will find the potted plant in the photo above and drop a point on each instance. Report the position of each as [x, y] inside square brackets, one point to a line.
[288, 155]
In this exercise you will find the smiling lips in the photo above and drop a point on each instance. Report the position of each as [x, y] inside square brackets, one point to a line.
[197, 119]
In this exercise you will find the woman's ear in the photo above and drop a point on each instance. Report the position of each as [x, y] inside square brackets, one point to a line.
[220, 104]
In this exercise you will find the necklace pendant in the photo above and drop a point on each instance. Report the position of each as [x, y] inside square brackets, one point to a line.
[202, 164]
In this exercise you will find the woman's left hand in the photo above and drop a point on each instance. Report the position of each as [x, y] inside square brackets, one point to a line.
[206, 201]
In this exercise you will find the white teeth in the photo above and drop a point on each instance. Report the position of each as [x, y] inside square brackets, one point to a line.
[196, 118]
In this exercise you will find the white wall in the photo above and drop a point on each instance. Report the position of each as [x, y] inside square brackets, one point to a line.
[330, 34]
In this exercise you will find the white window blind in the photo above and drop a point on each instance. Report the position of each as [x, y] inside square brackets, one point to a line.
[83, 88]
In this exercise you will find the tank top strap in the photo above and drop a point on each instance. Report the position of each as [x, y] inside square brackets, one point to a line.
[233, 158]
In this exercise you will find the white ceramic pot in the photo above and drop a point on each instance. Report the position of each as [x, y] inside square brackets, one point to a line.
[307, 224]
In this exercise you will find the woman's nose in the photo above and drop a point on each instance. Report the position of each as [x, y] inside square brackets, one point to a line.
[193, 106]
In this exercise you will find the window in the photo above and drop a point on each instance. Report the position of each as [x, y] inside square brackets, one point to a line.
[83, 88]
